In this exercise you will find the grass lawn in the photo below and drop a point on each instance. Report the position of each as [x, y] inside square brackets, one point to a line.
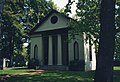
[16, 75]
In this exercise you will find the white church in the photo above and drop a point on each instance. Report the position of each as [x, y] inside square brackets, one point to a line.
[50, 45]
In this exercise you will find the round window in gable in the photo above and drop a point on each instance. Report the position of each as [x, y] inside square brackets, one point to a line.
[54, 19]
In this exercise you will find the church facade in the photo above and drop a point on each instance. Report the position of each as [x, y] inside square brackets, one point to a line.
[50, 45]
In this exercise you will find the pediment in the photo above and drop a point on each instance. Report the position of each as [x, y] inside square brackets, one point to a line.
[52, 22]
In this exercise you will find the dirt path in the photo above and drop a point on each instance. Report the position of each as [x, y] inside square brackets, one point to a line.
[29, 73]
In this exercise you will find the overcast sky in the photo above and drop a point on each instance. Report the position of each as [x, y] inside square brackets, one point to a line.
[62, 3]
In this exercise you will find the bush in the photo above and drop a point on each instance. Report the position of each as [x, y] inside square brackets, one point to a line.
[19, 64]
[33, 63]
[116, 63]
[77, 65]
[19, 60]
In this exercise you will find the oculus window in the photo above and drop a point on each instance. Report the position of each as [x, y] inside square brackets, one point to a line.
[54, 19]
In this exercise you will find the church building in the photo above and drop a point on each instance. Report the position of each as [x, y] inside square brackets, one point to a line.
[50, 45]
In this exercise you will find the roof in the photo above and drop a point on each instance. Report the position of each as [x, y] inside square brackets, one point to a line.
[44, 19]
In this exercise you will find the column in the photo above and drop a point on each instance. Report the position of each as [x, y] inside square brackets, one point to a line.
[59, 50]
[50, 53]
[41, 51]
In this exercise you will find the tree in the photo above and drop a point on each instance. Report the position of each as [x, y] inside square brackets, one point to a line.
[87, 20]
[20, 16]
[117, 40]
[104, 69]
[1, 21]
[12, 29]
[88, 13]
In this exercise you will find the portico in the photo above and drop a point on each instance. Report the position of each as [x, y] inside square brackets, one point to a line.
[52, 44]
[58, 50]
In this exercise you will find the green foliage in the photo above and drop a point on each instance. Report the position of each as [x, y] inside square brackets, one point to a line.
[33, 63]
[19, 17]
[117, 48]
[87, 14]
[87, 21]
[76, 65]
[11, 28]
[117, 40]
[19, 61]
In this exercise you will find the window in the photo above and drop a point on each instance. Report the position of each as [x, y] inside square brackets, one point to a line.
[76, 51]
[35, 52]
[54, 19]
[90, 50]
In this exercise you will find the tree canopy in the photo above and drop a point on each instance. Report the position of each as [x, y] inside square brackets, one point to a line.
[19, 17]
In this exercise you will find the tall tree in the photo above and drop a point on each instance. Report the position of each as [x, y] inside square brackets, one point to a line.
[12, 29]
[1, 21]
[104, 69]
[87, 11]
[19, 17]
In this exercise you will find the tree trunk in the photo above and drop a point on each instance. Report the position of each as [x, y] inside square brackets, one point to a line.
[1, 55]
[104, 69]
[11, 51]
[1, 63]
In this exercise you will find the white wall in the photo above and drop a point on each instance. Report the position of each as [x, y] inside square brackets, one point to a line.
[79, 39]
[89, 65]
[36, 40]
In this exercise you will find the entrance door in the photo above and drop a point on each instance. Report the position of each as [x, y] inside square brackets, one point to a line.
[54, 44]
[64, 50]
[45, 50]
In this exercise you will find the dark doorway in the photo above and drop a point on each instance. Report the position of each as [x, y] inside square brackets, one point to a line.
[54, 44]
[64, 49]
[45, 50]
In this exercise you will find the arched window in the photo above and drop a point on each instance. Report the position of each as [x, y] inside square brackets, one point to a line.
[90, 50]
[76, 51]
[35, 52]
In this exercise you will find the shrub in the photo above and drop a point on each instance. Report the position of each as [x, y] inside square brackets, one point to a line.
[77, 65]
[116, 63]
[33, 63]
[19, 60]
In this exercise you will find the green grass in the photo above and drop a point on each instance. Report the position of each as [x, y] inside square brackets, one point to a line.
[116, 74]
[52, 76]
[17, 70]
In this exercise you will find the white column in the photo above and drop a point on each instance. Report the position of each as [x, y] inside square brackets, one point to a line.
[59, 50]
[50, 53]
[41, 51]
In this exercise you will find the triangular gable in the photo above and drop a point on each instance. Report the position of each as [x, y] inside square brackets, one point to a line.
[53, 20]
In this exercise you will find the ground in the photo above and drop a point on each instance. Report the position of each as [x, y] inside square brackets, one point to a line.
[23, 74]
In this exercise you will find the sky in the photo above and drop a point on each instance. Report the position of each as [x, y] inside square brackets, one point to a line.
[62, 3]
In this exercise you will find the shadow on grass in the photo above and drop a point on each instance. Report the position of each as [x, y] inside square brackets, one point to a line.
[59, 76]
[56, 76]
[53, 76]
[3, 75]
[19, 68]
[116, 75]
